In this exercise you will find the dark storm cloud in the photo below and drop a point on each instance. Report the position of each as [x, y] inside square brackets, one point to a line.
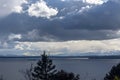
[95, 23]
[103, 17]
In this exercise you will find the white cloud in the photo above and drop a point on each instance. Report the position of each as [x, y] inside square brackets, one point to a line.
[84, 5]
[70, 0]
[18, 9]
[80, 47]
[73, 47]
[84, 9]
[41, 9]
[61, 17]
[14, 36]
[63, 0]
[38, 9]
[96, 2]
[9, 6]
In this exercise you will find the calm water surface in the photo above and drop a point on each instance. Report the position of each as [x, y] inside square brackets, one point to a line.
[88, 69]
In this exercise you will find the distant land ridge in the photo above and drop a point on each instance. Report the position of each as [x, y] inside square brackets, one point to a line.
[63, 57]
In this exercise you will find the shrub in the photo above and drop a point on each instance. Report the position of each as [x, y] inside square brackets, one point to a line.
[114, 73]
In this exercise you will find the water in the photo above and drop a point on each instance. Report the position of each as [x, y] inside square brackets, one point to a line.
[88, 69]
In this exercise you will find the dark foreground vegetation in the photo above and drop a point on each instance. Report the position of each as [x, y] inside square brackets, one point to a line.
[46, 70]
[114, 73]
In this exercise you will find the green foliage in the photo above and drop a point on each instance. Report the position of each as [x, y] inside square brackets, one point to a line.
[116, 78]
[114, 73]
[45, 70]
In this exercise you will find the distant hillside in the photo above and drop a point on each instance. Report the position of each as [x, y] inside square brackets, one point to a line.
[61, 57]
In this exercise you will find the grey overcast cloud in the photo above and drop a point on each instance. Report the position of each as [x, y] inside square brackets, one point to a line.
[61, 27]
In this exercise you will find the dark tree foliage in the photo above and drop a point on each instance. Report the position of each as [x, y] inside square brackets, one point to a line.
[45, 70]
[62, 75]
[28, 73]
[114, 73]
[1, 77]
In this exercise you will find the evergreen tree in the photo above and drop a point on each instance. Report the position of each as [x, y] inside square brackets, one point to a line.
[62, 75]
[114, 73]
[45, 70]
[116, 78]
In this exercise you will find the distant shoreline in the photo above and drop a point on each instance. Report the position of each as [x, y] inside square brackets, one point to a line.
[63, 57]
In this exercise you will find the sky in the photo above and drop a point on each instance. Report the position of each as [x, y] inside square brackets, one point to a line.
[60, 27]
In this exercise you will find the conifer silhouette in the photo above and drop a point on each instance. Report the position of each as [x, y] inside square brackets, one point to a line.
[114, 73]
[45, 70]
